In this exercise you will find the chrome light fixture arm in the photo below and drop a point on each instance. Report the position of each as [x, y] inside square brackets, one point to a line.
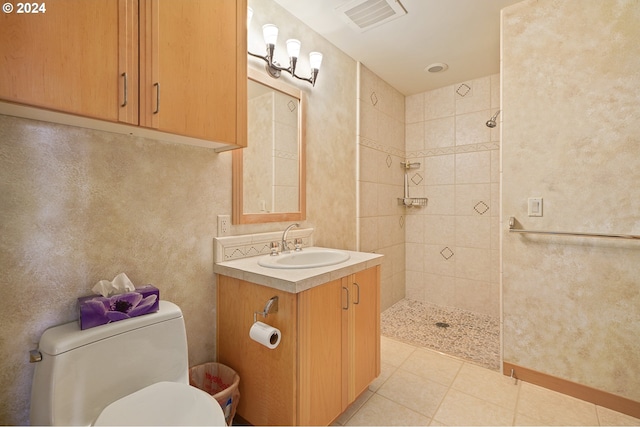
[274, 69]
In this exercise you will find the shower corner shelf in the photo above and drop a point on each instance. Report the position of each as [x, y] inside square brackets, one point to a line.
[412, 201]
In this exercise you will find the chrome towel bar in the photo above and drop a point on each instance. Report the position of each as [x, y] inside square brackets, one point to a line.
[512, 229]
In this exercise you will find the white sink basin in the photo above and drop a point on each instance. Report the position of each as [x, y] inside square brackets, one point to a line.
[307, 258]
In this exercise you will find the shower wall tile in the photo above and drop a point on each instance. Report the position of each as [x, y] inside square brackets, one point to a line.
[439, 169]
[390, 232]
[436, 263]
[495, 267]
[368, 234]
[415, 288]
[368, 199]
[471, 128]
[368, 121]
[473, 263]
[390, 131]
[439, 133]
[495, 199]
[372, 157]
[473, 231]
[495, 91]
[471, 168]
[388, 199]
[495, 231]
[415, 255]
[440, 230]
[495, 166]
[414, 229]
[439, 289]
[414, 136]
[442, 199]
[476, 296]
[478, 98]
[439, 103]
[467, 196]
[398, 285]
[414, 108]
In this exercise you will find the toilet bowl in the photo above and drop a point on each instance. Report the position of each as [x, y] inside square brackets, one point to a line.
[164, 403]
[131, 372]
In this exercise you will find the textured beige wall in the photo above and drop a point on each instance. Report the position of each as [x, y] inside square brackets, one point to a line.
[570, 134]
[77, 206]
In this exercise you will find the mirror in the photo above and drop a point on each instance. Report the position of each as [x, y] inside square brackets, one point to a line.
[269, 174]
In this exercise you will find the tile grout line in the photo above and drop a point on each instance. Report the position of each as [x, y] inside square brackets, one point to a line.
[449, 388]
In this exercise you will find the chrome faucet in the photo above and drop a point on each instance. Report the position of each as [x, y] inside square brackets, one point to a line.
[284, 246]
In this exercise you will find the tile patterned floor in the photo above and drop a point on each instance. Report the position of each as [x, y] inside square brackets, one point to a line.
[471, 336]
[419, 386]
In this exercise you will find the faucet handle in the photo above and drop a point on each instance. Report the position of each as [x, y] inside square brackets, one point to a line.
[274, 246]
[297, 244]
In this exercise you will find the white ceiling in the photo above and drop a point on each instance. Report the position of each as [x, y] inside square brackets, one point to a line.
[465, 34]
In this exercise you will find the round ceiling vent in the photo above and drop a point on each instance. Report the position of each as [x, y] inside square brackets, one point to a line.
[437, 67]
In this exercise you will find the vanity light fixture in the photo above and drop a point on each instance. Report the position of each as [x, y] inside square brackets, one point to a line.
[270, 34]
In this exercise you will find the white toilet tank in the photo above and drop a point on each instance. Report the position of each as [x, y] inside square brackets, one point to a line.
[82, 372]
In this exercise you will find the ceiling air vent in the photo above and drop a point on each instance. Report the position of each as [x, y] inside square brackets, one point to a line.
[366, 14]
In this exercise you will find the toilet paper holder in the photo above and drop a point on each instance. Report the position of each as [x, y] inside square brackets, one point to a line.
[270, 307]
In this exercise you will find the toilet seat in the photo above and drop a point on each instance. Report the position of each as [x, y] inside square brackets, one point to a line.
[164, 403]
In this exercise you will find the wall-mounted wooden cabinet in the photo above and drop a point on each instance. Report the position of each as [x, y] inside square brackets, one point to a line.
[174, 66]
[328, 355]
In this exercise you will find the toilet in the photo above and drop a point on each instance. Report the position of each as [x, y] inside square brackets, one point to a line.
[131, 372]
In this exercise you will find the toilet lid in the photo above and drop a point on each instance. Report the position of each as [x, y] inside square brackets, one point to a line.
[164, 403]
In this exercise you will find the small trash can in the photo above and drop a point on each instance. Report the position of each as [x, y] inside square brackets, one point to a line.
[221, 382]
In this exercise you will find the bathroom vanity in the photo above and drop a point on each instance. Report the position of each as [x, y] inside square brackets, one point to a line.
[329, 319]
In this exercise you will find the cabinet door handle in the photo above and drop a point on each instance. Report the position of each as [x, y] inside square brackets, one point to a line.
[126, 89]
[357, 301]
[157, 86]
[347, 306]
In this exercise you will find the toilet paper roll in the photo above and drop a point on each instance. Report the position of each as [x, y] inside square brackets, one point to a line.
[266, 335]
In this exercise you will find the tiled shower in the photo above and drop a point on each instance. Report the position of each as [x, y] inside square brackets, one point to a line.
[449, 250]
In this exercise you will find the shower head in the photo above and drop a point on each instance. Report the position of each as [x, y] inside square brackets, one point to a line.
[492, 121]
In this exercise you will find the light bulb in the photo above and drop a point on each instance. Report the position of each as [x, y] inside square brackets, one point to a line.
[315, 59]
[270, 33]
[293, 48]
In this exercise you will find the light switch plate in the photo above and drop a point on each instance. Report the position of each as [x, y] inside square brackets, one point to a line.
[535, 206]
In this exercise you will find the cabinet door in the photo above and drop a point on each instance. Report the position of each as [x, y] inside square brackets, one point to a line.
[194, 68]
[67, 57]
[364, 338]
[267, 377]
[322, 336]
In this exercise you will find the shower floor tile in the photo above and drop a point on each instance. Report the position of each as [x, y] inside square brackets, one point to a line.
[469, 336]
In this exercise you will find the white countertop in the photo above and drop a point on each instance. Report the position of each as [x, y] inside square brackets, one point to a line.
[295, 280]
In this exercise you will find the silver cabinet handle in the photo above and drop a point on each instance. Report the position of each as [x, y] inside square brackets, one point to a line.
[347, 306]
[126, 89]
[157, 86]
[357, 301]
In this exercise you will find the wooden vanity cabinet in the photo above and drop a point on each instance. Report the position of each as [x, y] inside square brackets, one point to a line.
[179, 67]
[328, 355]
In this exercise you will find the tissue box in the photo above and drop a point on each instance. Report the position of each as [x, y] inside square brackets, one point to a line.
[96, 310]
